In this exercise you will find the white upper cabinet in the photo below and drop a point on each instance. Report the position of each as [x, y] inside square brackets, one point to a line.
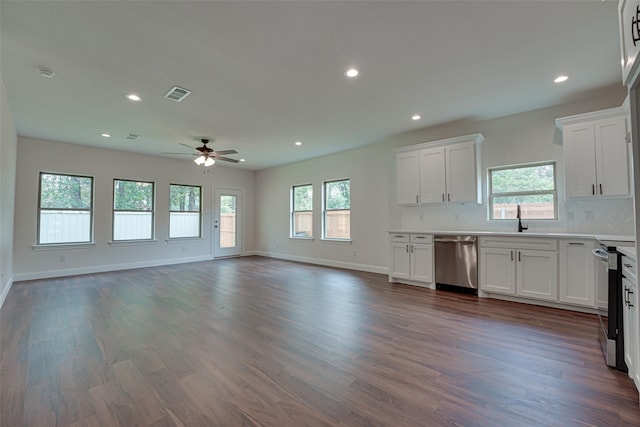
[440, 171]
[596, 156]
[629, 37]
[408, 170]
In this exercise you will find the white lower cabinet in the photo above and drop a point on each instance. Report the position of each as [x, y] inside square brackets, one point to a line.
[411, 258]
[631, 318]
[577, 273]
[520, 267]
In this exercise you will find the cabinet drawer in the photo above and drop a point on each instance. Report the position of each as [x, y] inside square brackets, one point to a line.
[629, 268]
[519, 243]
[421, 238]
[399, 237]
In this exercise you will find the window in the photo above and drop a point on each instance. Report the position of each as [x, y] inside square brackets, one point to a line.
[132, 210]
[65, 209]
[531, 186]
[302, 211]
[337, 210]
[184, 211]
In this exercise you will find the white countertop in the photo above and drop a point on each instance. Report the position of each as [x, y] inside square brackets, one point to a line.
[629, 251]
[630, 239]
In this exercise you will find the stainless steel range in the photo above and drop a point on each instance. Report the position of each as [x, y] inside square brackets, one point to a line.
[609, 276]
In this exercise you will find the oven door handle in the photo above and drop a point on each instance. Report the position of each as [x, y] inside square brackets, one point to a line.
[599, 253]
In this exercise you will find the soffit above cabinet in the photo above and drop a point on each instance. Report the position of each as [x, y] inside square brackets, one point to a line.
[478, 138]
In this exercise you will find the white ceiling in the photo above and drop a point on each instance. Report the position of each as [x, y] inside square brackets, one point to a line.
[265, 74]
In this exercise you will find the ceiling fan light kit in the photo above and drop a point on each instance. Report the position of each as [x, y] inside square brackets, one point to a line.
[207, 156]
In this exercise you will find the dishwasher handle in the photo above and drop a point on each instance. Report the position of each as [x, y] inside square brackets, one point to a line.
[461, 242]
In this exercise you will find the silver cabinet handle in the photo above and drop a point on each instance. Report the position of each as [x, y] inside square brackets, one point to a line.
[411, 248]
[519, 259]
[448, 197]
[628, 265]
[511, 255]
[576, 244]
[443, 197]
[593, 189]
[600, 188]
[407, 248]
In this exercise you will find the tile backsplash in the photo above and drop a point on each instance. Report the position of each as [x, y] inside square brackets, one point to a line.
[599, 216]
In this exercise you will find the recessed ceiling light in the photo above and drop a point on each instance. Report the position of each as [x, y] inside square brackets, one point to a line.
[133, 97]
[561, 79]
[242, 160]
[46, 72]
[416, 117]
[298, 143]
[106, 135]
[351, 73]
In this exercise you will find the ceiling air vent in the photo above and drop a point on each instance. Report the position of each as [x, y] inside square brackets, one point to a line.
[177, 93]
[132, 136]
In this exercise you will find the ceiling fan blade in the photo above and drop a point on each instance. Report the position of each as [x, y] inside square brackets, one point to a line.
[184, 154]
[187, 145]
[226, 159]
[226, 152]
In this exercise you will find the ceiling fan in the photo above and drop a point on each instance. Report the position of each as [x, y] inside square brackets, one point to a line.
[207, 156]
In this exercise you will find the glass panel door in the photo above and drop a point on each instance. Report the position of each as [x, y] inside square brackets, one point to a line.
[227, 222]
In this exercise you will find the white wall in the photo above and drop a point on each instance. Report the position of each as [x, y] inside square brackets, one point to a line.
[520, 138]
[104, 165]
[368, 169]
[8, 147]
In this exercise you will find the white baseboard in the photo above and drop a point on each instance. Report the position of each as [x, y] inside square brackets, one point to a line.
[105, 268]
[325, 262]
[5, 292]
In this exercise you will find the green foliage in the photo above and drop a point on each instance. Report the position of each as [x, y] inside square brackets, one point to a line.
[227, 204]
[338, 195]
[132, 195]
[65, 191]
[523, 180]
[303, 198]
[184, 198]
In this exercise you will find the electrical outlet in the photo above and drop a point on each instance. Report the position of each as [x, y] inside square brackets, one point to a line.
[355, 253]
[63, 258]
[588, 215]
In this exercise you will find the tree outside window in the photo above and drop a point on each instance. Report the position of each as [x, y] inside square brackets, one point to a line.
[302, 211]
[65, 209]
[184, 211]
[337, 209]
[133, 210]
[532, 186]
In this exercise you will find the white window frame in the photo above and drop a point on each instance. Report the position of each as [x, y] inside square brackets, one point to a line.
[41, 209]
[199, 211]
[554, 192]
[152, 210]
[293, 211]
[325, 210]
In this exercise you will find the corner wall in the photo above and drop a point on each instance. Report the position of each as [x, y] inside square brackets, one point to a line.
[8, 148]
[36, 155]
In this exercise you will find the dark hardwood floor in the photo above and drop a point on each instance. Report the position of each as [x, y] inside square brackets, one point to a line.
[255, 341]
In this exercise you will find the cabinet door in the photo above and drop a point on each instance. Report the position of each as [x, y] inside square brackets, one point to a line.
[537, 274]
[628, 326]
[497, 270]
[432, 176]
[462, 184]
[577, 270]
[634, 318]
[400, 266]
[408, 178]
[422, 262]
[612, 158]
[578, 148]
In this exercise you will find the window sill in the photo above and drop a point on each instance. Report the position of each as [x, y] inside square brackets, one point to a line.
[301, 239]
[177, 240]
[59, 246]
[133, 242]
[337, 241]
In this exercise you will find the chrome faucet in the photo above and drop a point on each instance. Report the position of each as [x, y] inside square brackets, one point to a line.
[521, 227]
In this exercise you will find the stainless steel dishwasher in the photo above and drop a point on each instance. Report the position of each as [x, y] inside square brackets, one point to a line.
[456, 259]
